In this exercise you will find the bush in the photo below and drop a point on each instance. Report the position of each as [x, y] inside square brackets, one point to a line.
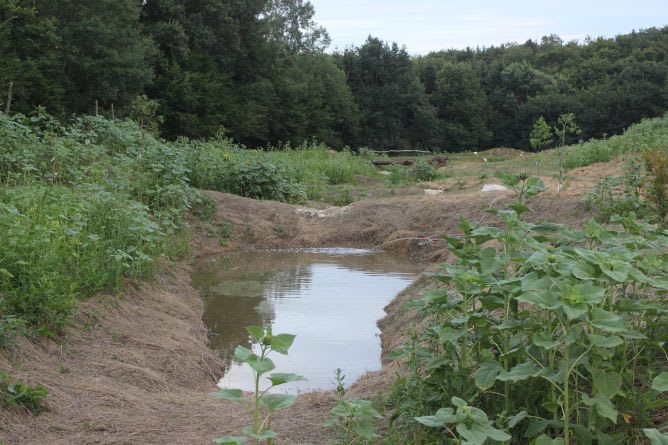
[15, 393]
[59, 245]
[423, 171]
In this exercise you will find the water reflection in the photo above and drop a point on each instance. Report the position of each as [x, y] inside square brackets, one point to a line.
[330, 298]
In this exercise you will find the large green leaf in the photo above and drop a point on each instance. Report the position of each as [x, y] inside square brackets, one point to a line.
[261, 365]
[601, 341]
[602, 405]
[282, 342]
[545, 340]
[256, 332]
[474, 434]
[242, 355]
[280, 378]
[607, 383]
[606, 321]
[485, 375]
[274, 402]
[543, 299]
[520, 372]
[488, 261]
[365, 429]
[660, 382]
[443, 416]
[655, 436]
[234, 395]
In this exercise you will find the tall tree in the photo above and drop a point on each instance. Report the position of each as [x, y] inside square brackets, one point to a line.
[463, 109]
[395, 109]
[30, 58]
[105, 56]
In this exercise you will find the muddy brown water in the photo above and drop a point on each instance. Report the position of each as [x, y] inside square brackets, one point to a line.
[331, 299]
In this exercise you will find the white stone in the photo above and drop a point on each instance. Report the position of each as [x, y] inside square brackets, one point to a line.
[494, 188]
[433, 192]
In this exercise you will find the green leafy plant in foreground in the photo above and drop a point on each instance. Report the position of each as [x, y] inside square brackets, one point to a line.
[354, 421]
[265, 404]
[558, 333]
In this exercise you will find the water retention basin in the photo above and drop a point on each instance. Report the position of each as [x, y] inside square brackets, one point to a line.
[329, 298]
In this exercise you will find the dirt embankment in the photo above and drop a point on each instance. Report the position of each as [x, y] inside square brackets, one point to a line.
[136, 370]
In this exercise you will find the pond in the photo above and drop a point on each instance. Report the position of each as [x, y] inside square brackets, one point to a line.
[331, 299]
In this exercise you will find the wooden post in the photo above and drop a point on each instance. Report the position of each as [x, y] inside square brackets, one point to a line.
[8, 108]
[97, 108]
[113, 115]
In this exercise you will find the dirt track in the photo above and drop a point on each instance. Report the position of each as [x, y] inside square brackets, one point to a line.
[136, 370]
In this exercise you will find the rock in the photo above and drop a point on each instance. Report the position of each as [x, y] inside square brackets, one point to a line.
[494, 188]
[384, 173]
[433, 192]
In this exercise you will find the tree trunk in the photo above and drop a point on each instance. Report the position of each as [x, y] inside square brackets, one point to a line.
[8, 108]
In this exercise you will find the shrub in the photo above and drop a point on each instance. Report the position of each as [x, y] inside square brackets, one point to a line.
[15, 393]
[656, 162]
[423, 171]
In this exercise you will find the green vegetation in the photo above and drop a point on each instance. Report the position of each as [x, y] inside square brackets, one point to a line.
[286, 174]
[18, 394]
[265, 404]
[555, 335]
[81, 210]
[86, 206]
[650, 133]
[541, 135]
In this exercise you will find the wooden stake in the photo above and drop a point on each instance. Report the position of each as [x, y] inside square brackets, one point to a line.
[113, 115]
[97, 108]
[8, 108]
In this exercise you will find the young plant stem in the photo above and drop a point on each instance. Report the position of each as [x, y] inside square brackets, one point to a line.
[567, 407]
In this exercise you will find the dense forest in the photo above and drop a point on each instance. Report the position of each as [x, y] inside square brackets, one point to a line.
[258, 71]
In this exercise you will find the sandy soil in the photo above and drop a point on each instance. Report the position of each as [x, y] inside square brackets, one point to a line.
[136, 369]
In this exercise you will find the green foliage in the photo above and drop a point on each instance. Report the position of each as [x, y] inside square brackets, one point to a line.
[397, 174]
[354, 422]
[566, 126]
[265, 404]
[423, 171]
[290, 175]
[557, 332]
[81, 211]
[395, 111]
[650, 133]
[541, 135]
[18, 394]
[656, 162]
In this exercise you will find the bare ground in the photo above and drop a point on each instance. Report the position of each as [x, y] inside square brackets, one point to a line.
[136, 369]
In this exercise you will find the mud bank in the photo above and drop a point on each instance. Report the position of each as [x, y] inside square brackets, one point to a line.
[136, 369]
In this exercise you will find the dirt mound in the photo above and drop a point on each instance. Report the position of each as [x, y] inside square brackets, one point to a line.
[403, 224]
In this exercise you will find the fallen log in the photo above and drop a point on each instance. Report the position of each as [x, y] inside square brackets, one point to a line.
[406, 162]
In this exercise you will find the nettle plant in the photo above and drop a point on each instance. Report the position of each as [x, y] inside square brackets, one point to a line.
[543, 334]
[265, 404]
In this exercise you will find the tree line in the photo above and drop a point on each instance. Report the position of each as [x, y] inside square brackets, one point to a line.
[257, 71]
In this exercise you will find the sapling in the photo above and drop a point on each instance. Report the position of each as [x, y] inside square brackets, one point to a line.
[265, 404]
